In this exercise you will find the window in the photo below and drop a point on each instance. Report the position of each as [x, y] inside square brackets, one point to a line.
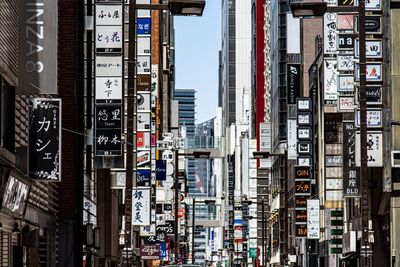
[4, 248]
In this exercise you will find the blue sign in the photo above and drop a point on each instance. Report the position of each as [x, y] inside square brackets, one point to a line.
[238, 221]
[161, 170]
[143, 177]
[143, 26]
[163, 251]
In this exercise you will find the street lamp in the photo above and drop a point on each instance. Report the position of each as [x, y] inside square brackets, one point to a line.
[176, 7]
[187, 7]
[308, 9]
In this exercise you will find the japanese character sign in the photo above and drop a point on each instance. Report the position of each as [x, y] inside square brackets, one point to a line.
[330, 33]
[109, 88]
[108, 130]
[108, 66]
[141, 206]
[143, 26]
[351, 177]
[109, 39]
[109, 14]
[374, 149]
[45, 139]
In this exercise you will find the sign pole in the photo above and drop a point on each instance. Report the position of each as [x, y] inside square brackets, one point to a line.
[131, 136]
[363, 133]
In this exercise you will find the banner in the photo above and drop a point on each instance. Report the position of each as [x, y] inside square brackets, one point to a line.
[45, 139]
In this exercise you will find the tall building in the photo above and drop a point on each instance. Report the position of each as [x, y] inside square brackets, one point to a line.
[237, 94]
[204, 173]
[278, 114]
[186, 106]
[187, 114]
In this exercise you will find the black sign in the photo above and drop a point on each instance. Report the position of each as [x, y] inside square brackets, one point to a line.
[159, 208]
[45, 139]
[293, 82]
[108, 130]
[167, 207]
[108, 117]
[302, 187]
[301, 230]
[346, 41]
[374, 95]
[304, 147]
[301, 201]
[143, 177]
[108, 142]
[373, 24]
[351, 176]
[302, 172]
[346, 2]
[155, 239]
[301, 216]
[167, 228]
[161, 170]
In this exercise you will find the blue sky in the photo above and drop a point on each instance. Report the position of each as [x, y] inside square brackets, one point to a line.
[197, 42]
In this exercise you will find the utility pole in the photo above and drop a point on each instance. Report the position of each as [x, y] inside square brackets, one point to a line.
[176, 245]
[363, 133]
[131, 128]
[263, 232]
[193, 219]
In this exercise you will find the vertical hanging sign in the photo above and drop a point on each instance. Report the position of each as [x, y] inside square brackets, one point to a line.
[144, 137]
[141, 206]
[351, 176]
[330, 79]
[38, 36]
[109, 39]
[330, 33]
[45, 139]
[313, 225]
[293, 82]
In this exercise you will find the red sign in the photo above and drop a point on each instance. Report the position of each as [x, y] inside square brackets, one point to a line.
[181, 213]
[140, 139]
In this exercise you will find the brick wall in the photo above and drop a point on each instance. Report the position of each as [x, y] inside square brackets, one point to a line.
[311, 28]
[71, 90]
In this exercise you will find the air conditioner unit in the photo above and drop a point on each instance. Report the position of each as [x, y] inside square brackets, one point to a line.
[396, 159]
